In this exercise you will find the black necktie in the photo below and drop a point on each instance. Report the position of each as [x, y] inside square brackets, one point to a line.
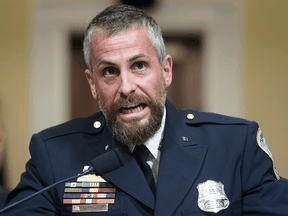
[141, 154]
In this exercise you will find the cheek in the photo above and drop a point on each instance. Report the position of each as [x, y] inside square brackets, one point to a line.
[153, 85]
[106, 93]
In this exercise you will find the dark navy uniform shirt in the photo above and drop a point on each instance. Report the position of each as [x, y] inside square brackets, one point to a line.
[210, 165]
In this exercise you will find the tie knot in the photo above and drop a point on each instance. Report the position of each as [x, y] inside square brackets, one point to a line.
[141, 153]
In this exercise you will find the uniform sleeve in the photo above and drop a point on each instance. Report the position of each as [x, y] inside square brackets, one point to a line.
[263, 193]
[37, 176]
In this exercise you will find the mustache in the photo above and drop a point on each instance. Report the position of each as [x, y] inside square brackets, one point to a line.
[132, 98]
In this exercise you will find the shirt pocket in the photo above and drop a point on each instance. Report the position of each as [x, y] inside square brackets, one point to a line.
[234, 208]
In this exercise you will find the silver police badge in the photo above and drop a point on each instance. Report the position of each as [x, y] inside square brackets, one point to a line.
[212, 197]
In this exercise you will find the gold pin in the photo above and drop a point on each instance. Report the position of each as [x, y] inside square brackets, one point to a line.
[190, 116]
[97, 124]
[185, 139]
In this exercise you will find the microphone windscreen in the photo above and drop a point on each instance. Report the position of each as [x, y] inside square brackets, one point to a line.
[107, 162]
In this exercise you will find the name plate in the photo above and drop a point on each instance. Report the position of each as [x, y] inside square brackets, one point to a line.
[90, 208]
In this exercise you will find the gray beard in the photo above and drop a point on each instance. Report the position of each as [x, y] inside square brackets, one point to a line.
[131, 133]
[138, 134]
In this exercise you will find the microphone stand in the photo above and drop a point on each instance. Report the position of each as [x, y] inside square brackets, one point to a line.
[45, 189]
[102, 164]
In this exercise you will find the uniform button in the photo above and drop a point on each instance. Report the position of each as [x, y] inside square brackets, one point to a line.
[97, 124]
[190, 116]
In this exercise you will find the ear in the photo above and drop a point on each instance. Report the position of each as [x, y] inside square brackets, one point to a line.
[167, 70]
[91, 82]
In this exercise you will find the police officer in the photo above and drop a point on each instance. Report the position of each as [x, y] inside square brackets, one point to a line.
[176, 162]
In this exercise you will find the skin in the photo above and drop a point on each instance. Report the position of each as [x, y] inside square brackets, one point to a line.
[127, 64]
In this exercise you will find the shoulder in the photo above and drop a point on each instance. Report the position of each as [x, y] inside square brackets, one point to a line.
[179, 118]
[197, 117]
[220, 125]
[79, 125]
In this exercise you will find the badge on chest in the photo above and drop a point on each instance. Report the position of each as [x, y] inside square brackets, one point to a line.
[212, 197]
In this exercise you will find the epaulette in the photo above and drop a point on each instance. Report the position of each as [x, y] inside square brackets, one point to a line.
[91, 125]
[196, 117]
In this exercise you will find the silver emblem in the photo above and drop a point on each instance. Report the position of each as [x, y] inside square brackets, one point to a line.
[212, 197]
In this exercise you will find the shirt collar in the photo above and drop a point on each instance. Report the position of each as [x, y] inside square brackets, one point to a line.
[154, 142]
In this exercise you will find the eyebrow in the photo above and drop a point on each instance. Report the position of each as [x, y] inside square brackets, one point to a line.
[140, 55]
[111, 63]
[107, 62]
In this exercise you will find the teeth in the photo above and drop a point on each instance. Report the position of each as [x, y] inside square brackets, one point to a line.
[130, 105]
[132, 110]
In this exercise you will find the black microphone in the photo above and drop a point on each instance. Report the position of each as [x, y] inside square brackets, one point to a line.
[107, 162]
[102, 164]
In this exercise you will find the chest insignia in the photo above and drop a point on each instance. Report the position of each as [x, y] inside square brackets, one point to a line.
[90, 193]
[212, 197]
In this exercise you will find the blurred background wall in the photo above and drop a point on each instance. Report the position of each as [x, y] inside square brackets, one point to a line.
[262, 70]
[15, 32]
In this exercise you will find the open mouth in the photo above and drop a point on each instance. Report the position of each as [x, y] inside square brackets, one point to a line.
[132, 108]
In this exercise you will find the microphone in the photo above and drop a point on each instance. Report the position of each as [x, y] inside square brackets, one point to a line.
[107, 162]
[102, 164]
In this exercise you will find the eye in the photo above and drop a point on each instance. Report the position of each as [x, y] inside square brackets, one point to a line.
[110, 71]
[139, 66]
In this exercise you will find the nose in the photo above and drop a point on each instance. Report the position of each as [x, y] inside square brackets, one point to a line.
[128, 85]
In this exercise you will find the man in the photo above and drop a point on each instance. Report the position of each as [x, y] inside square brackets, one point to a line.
[200, 163]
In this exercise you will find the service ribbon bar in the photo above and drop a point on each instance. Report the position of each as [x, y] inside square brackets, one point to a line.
[90, 190]
[83, 196]
[88, 184]
[88, 201]
[90, 193]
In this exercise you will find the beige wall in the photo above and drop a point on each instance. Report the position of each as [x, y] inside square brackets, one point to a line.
[14, 58]
[265, 59]
[265, 35]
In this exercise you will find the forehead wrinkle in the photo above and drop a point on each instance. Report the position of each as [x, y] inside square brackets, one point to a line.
[116, 47]
[99, 38]
[121, 46]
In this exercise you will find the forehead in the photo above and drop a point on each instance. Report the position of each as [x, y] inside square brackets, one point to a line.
[131, 41]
